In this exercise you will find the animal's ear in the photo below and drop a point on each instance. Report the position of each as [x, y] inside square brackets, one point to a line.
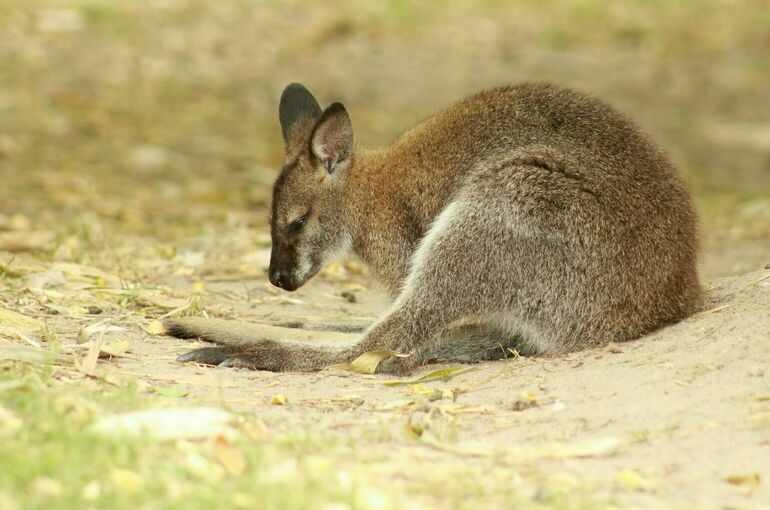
[332, 138]
[297, 106]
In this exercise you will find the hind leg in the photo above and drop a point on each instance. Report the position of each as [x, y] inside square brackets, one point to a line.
[471, 345]
[470, 265]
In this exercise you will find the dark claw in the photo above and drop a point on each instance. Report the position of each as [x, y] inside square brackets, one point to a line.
[207, 355]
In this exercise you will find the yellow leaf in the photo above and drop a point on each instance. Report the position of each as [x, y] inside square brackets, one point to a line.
[367, 362]
[229, 456]
[88, 364]
[442, 374]
[100, 327]
[148, 297]
[750, 481]
[44, 487]
[9, 421]
[91, 491]
[170, 392]
[630, 480]
[26, 240]
[166, 424]
[155, 327]
[419, 389]
[126, 481]
[599, 447]
[432, 394]
[12, 322]
[116, 349]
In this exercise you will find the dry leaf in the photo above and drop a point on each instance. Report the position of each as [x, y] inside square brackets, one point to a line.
[88, 363]
[229, 456]
[126, 481]
[100, 327]
[9, 421]
[44, 487]
[201, 467]
[170, 392]
[63, 273]
[367, 362]
[12, 323]
[17, 241]
[115, 349]
[600, 447]
[12, 384]
[631, 480]
[431, 393]
[92, 490]
[527, 399]
[563, 450]
[154, 298]
[760, 420]
[750, 481]
[155, 328]
[442, 374]
[419, 389]
[167, 424]
[18, 352]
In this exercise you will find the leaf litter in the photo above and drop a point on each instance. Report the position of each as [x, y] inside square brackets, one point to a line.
[167, 424]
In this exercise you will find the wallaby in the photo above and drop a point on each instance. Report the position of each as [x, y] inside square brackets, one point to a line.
[530, 217]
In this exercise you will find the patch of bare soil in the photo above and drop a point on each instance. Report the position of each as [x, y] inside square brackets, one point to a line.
[679, 418]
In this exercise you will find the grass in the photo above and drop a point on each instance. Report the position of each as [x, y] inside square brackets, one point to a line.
[54, 461]
[57, 463]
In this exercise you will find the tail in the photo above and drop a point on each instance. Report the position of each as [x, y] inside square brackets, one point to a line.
[235, 333]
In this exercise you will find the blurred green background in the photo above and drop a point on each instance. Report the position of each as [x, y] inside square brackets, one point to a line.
[158, 118]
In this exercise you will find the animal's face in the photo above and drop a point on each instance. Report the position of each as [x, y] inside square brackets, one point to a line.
[307, 226]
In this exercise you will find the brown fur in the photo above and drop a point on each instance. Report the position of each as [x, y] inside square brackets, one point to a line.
[541, 216]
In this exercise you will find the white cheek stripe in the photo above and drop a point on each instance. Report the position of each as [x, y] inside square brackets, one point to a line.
[304, 266]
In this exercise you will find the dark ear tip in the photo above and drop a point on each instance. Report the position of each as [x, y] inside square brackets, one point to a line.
[294, 87]
[297, 103]
[336, 108]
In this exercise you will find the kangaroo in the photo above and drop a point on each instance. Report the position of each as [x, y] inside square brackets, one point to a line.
[530, 217]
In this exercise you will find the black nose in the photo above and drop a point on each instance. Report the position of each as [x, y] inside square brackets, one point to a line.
[277, 278]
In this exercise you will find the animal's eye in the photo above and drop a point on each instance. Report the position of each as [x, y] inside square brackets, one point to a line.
[297, 225]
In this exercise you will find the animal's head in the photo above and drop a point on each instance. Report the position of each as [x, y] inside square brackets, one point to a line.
[307, 224]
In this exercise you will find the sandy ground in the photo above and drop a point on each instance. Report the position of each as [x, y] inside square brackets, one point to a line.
[684, 413]
[677, 419]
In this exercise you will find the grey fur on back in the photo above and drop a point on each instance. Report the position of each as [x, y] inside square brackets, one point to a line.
[535, 212]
